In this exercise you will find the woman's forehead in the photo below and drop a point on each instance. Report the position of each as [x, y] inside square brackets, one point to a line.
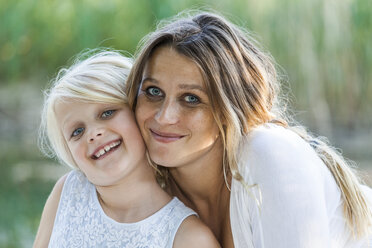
[167, 64]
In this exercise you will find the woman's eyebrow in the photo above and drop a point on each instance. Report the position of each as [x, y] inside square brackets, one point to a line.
[192, 87]
[181, 86]
[152, 80]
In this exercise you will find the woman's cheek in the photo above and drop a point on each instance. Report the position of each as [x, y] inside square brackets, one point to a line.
[142, 110]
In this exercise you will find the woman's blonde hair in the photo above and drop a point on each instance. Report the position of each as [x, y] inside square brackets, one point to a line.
[100, 78]
[243, 87]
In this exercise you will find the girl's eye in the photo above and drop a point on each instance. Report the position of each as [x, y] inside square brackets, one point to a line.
[192, 99]
[154, 91]
[77, 132]
[106, 114]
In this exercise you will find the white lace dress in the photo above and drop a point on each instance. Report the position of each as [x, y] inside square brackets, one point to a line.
[81, 222]
[301, 202]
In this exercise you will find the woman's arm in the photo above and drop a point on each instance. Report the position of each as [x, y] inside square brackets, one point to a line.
[49, 213]
[193, 233]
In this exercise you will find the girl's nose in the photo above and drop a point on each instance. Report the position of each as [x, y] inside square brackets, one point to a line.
[95, 134]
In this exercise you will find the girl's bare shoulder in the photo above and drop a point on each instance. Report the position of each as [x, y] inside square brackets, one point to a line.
[49, 213]
[193, 233]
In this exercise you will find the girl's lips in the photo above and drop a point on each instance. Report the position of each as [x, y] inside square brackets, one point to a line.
[165, 137]
[106, 149]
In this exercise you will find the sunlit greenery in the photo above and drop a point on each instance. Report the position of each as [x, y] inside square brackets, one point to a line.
[323, 47]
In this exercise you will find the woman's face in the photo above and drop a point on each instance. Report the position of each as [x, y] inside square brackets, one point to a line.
[174, 113]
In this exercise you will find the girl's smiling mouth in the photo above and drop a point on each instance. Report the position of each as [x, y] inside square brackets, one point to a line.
[106, 149]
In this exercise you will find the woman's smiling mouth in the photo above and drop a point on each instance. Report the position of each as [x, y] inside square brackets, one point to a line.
[165, 137]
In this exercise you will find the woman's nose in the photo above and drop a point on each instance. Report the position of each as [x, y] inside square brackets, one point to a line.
[168, 113]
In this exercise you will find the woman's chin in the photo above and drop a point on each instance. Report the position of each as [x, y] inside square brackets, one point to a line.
[165, 161]
[162, 162]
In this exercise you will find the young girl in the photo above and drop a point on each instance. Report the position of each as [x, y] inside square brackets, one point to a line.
[111, 198]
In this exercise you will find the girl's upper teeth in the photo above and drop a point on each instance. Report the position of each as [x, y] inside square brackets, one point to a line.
[101, 152]
[106, 149]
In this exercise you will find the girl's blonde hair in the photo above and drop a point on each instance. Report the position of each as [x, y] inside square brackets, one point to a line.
[100, 78]
[243, 87]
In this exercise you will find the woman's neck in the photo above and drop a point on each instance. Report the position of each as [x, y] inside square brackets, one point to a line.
[201, 186]
[201, 179]
[134, 198]
[197, 185]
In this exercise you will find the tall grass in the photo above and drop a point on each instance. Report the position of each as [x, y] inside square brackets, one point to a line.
[325, 46]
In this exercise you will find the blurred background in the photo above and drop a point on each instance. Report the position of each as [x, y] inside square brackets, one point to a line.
[324, 47]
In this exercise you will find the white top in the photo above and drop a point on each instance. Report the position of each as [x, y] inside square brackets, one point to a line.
[81, 222]
[301, 202]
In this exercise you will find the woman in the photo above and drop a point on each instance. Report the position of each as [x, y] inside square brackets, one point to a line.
[206, 101]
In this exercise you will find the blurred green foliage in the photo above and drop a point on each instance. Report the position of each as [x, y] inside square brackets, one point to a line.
[325, 46]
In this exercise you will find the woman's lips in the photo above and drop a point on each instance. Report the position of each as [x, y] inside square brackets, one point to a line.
[165, 137]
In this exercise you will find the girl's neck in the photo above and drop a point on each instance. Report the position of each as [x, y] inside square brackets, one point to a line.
[135, 198]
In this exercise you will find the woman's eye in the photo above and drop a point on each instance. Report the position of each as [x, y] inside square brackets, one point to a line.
[77, 132]
[192, 99]
[154, 91]
[107, 113]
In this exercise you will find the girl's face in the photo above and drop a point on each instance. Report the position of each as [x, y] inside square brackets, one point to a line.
[103, 139]
[174, 113]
